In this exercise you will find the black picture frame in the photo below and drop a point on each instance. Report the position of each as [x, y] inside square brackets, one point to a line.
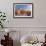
[25, 8]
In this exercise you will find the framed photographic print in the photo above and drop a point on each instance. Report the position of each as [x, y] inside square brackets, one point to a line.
[22, 9]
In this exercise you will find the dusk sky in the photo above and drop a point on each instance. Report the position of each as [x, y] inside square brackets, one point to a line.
[23, 6]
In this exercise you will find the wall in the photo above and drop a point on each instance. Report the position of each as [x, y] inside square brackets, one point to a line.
[39, 13]
[38, 23]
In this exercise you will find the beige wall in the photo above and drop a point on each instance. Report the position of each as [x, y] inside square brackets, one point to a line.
[39, 13]
[25, 25]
